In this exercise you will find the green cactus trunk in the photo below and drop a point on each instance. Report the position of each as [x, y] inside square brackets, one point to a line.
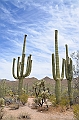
[27, 88]
[56, 70]
[70, 91]
[58, 91]
[20, 86]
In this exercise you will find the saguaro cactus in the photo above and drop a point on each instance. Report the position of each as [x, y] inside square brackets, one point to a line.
[20, 68]
[56, 70]
[69, 73]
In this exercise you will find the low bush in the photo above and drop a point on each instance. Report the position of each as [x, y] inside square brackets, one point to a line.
[24, 98]
[64, 101]
[64, 104]
[24, 115]
[76, 111]
[2, 102]
[52, 99]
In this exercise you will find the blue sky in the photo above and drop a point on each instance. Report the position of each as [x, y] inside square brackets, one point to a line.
[38, 19]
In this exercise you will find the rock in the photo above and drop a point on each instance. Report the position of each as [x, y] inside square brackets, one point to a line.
[14, 106]
[34, 106]
[43, 108]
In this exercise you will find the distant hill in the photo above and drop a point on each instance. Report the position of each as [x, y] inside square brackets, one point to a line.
[7, 85]
[49, 82]
[31, 81]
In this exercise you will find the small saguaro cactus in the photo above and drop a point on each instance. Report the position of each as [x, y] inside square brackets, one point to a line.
[20, 68]
[56, 71]
[69, 73]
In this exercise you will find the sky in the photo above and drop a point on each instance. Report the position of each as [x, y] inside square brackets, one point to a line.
[38, 19]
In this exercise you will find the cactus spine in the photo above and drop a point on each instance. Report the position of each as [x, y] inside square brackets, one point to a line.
[20, 68]
[56, 70]
[69, 73]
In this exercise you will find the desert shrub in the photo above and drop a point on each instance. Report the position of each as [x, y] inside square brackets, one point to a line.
[1, 113]
[24, 98]
[76, 111]
[52, 99]
[64, 98]
[10, 93]
[76, 96]
[64, 104]
[2, 102]
[24, 115]
[64, 101]
[75, 93]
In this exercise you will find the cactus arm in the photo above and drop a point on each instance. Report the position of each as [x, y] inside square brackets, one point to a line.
[13, 68]
[66, 51]
[66, 68]
[18, 67]
[62, 73]
[71, 63]
[28, 67]
[71, 70]
[66, 61]
[53, 67]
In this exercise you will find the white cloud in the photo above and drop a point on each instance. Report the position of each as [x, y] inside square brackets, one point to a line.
[39, 19]
[5, 70]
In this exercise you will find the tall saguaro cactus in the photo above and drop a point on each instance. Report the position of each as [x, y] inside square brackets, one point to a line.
[69, 73]
[20, 68]
[56, 70]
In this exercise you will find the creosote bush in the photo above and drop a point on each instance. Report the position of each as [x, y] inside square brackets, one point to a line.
[76, 111]
[24, 98]
[53, 100]
[64, 102]
[65, 99]
[63, 106]
[2, 103]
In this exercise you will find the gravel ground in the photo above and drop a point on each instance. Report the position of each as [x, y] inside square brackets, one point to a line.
[34, 115]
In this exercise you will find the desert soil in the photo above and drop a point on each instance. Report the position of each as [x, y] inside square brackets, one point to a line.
[35, 115]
